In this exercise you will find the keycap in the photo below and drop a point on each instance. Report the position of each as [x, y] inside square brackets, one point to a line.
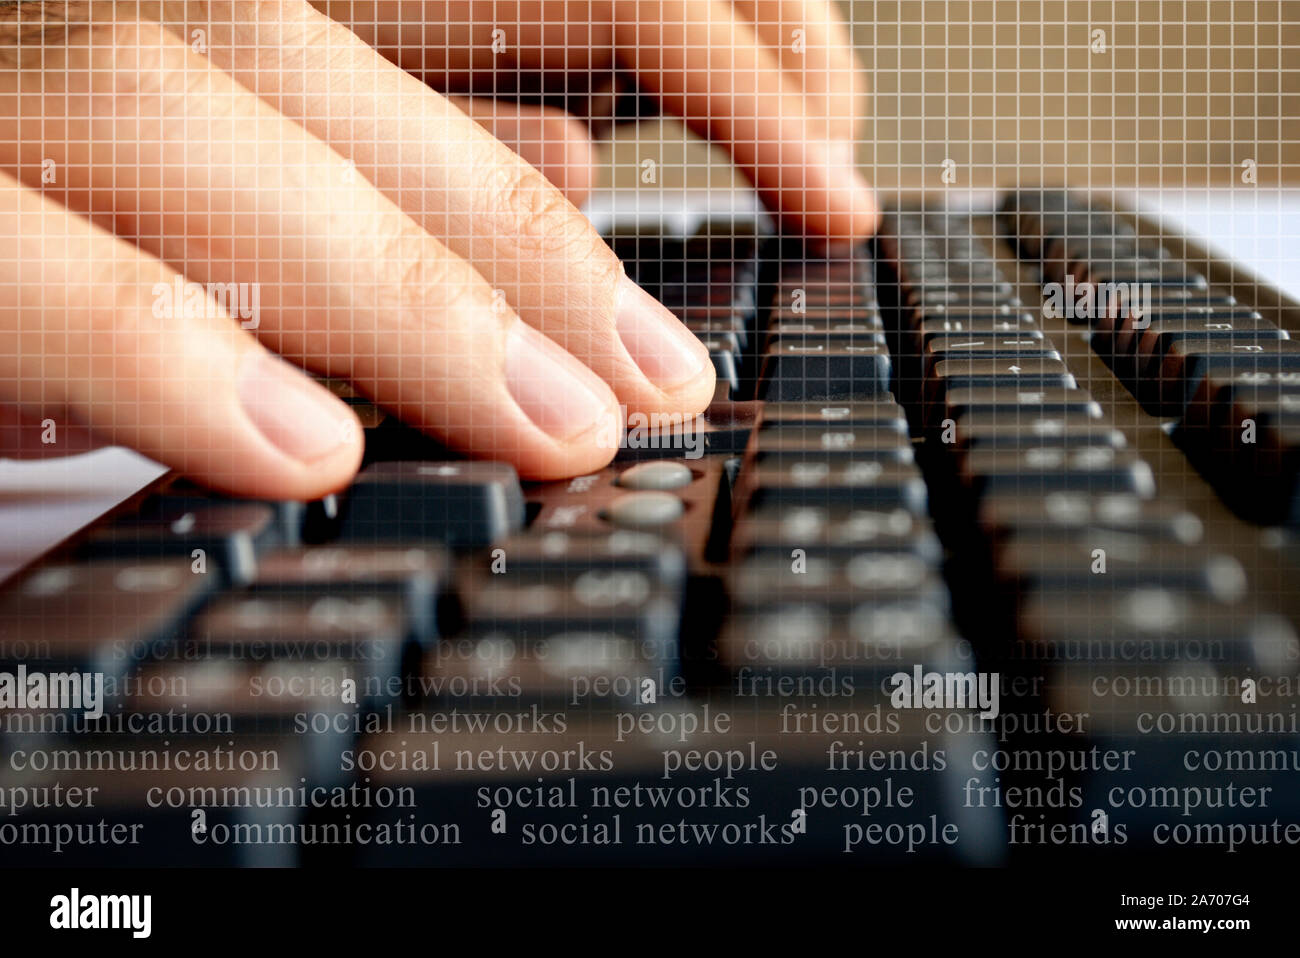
[1008, 430]
[834, 531]
[1039, 471]
[1247, 441]
[1013, 401]
[1115, 562]
[833, 335]
[834, 443]
[228, 535]
[103, 616]
[867, 643]
[723, 429]
[536, 554]
[1187, 363]
[1078, 514]
[458, 503]
[1149, 347]
[1026, 375]
[589, 638]
[797, 371]
[877, 414]
[859, 483]
[1116, 339]
[419, 574]
[1007, 348]
[1166, 624]
[370, 631]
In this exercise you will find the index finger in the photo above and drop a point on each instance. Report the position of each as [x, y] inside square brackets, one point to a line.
[708, 66]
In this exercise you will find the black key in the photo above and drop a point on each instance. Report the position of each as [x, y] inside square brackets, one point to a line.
[418, 574]
[228, 535]
[724, 429]
[1115, 337]
[1116, 563]
[1012, 401]
[836, 582]
[1011, 349]
[834, 531]
[1016, 325]
[531, 555]
[1012, 431]
[864, 645]
[1150, 346]
[827, 315]
[924, 295]
[1167, 624]
[370, 631]
[864, 483]
[584, 639]
[1026, 375]
[1187, 363]
[798, 371]
[833, 340]
[1157, 273]
[880, 414]
[1248, 443]
[1075, 515]
[856, 300]
[834, 443]
[98, 616]
[1039, 471]
[458, 503]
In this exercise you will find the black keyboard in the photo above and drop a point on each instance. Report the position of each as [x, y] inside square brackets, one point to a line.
[982, 554]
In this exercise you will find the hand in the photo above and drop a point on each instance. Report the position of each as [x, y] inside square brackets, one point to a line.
[193, 187]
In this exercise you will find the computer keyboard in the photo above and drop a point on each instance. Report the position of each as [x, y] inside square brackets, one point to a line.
[981, 554]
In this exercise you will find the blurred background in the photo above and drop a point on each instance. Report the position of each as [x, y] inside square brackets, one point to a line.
[1161, 93]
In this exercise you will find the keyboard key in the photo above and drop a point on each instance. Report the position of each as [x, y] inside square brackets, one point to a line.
[834, 443]
[1117, 562]
[834, 531]
[532, 555]
[864, 483]
[419, 574]
[794, 370]
[98, 616]
[878, 414]
[587, 639]
[1002, 431]
[1076, 515]
[1187, 363]
[1039, 471]
[458, 503]
[228, 535]
[1011, 401]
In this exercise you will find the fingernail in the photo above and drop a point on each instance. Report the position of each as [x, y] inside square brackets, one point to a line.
[658, 342]
[299, 418]
[558, 393]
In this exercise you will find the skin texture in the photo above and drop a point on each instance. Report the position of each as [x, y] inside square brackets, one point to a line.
[424, 247]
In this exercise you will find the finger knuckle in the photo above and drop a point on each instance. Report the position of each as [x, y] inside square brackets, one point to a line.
[538, 215]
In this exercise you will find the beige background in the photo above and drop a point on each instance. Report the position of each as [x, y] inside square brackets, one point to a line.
[1011, 91]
